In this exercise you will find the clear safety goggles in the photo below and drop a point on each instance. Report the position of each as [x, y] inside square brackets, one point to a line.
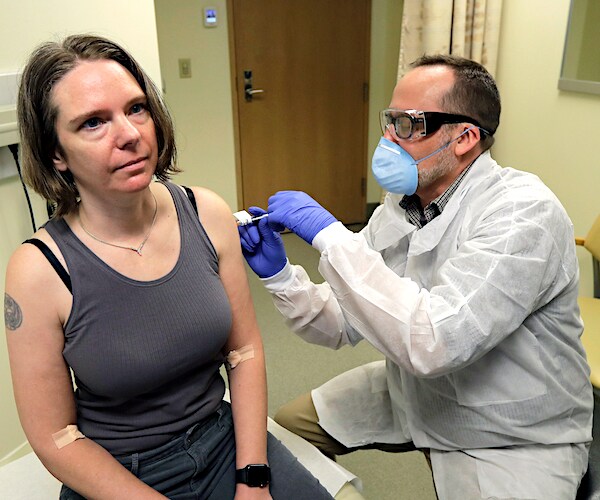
[411, 124]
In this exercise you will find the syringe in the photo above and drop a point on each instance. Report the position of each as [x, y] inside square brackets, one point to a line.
[244, 218]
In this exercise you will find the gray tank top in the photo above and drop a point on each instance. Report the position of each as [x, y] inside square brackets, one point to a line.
[145, 354]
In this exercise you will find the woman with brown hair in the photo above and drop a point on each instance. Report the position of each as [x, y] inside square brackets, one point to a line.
[140, 291]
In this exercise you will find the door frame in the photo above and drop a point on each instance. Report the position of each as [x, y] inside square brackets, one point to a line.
[235, 107]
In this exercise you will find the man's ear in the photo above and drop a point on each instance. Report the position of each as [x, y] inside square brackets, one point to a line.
[470, 139]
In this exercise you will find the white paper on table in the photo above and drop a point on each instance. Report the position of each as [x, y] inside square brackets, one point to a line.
[329, 473]
[27, 478]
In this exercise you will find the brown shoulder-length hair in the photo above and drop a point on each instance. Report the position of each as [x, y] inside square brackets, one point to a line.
[37, 113]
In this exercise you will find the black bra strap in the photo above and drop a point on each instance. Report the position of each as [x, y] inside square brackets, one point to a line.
[58, 267]
[191, 196]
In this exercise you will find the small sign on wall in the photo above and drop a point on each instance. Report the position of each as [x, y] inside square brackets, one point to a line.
[210, 17]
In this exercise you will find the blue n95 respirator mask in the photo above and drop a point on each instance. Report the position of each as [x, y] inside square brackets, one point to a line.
[395, 170]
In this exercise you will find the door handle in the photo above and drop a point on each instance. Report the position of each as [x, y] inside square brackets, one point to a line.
[250, 93]
[248, 90]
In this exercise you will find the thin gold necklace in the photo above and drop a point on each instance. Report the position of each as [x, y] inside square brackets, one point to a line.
[137, 249]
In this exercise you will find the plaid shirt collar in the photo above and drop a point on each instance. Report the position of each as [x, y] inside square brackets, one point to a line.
[420, 216]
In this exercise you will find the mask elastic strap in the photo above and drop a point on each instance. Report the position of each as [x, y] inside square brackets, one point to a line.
[444, 146]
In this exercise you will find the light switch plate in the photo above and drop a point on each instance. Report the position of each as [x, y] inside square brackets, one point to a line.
[185, 68]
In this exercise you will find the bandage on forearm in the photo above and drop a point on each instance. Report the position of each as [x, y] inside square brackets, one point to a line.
[238, 356]
[66, 436]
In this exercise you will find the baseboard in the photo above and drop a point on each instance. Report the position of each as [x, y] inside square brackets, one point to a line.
[20, 451]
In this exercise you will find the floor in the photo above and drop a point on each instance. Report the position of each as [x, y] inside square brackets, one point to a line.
[295, 367]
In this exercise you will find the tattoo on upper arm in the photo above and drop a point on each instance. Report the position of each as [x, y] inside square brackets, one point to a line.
[13, 316]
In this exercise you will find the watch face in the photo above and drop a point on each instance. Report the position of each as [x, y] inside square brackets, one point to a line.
[255, 475]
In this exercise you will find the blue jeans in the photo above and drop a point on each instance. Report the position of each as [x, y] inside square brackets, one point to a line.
[200, 464]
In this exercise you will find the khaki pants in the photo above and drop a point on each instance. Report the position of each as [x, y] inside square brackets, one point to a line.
[300, 417]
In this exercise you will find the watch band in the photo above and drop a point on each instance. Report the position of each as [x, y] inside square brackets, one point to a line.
[254, 475]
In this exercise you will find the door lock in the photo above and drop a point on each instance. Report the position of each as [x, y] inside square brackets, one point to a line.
[248, 90]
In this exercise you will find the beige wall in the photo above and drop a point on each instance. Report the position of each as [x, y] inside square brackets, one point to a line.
[549, 132]
[543, 130]
[23, 25]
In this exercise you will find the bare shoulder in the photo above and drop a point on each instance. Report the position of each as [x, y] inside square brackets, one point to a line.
[210, 203]
[217, 218]
[32, 283]
[213, 209]
[29, 262]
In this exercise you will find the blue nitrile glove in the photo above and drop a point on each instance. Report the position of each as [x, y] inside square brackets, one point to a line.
[299, 213]
[262, 247]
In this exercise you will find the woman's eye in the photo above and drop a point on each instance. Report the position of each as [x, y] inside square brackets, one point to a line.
[92, 123]
[138, 108]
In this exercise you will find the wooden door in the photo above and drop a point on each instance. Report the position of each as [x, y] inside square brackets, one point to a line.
[307, 129]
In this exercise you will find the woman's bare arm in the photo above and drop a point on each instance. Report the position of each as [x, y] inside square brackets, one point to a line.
[36, 306]
[247, 381]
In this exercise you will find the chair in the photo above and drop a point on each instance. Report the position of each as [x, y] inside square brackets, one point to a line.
[590, 306]
[590, 313]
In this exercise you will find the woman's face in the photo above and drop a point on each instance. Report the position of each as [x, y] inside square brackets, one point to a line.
[105, 131]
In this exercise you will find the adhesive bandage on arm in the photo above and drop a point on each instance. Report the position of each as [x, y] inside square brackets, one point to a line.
[238, 356]
[66, 436]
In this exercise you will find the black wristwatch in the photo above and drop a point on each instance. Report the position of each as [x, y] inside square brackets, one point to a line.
[255, 475]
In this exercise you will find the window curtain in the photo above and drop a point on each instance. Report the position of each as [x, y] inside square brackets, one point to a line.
[467, 28]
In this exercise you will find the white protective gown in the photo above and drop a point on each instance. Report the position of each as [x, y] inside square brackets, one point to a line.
[476, 314]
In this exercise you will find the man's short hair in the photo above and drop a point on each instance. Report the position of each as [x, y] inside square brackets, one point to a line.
[474, 92]
[37, 114]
